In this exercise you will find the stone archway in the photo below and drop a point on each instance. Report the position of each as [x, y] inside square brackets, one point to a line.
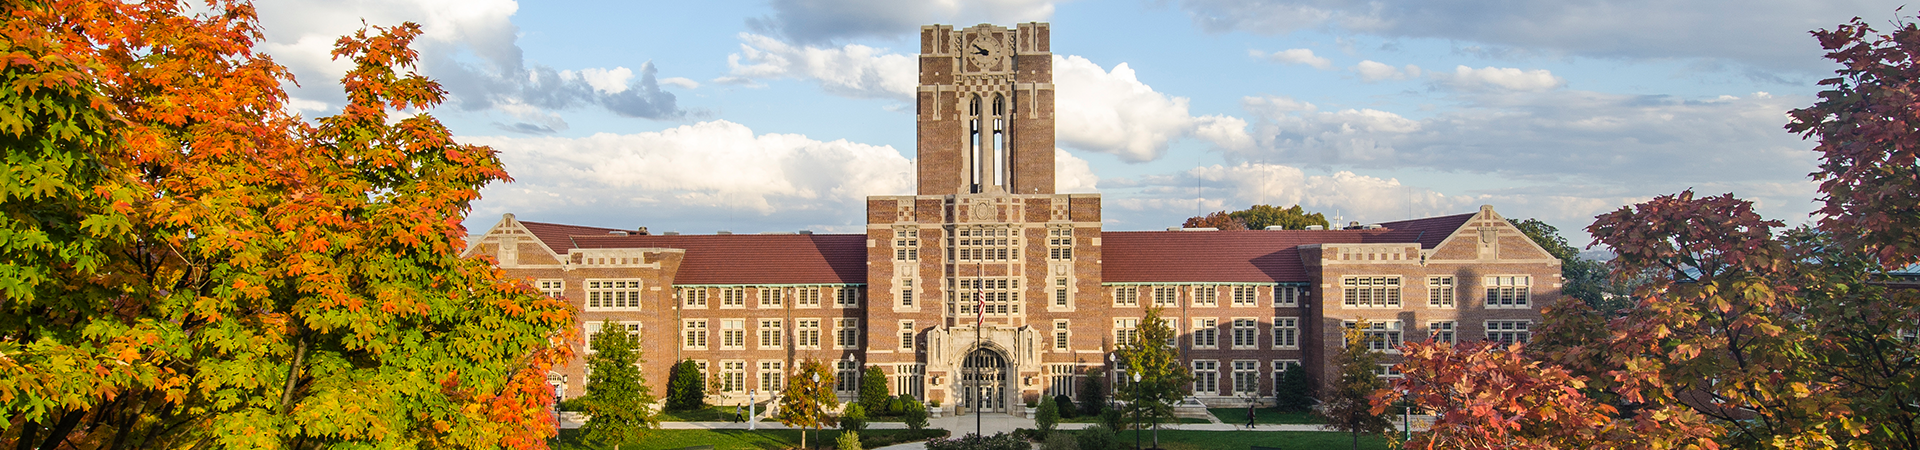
[983, 381]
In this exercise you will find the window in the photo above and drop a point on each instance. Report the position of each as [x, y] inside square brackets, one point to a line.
[733, 297]
[1060, 292]
[847, 297]
[1245, 296]
[910, 379]
[1381, 336]
[977, 243]
[1509, 331]
[1246, 334]
[846, 333]
[1166, 296]
[907, 331]
[807, 297]
[1060, 335]
[1371, 292]
[1173, 326]
[1286, 296]
[1000, 296]
[593, 329]
[733, 376]
[1206, 377]
[1060, 243]
[1206, 296]
[770, 297]
[1060, 381]
[1286, 332]
[846, 378]
[1125, 331]
[770, 334]
[1442, 331]
[1507, 291]
[695, 331]
[1387, 371]
[772, 379]
[551, 287]
[1126, 296]
[693, 297]
[906, 293]
[1206, 333]
[1246, 377]
[906, 244]
[1440, 292]
[807, 333]
[605, 295]
[733, 334]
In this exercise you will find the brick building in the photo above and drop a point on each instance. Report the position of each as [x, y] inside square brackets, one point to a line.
[987, 288]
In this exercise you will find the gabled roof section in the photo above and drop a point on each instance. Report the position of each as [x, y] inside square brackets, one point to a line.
[1429, 232]
[753, 258]
[559, 237]
[1246, 256]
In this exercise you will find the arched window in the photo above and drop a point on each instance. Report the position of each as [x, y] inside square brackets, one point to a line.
[1000, 172]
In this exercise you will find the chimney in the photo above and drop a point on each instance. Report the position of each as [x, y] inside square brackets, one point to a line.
[642, 231]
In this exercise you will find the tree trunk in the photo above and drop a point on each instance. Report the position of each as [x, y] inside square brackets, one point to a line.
[1356, 440]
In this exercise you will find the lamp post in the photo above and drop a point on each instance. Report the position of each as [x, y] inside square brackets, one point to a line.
[1114, 379]
[1136, 410]
[752, 418]
[816, 421]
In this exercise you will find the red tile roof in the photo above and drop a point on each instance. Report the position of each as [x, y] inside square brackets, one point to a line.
[754, 258]
[1257, 256]
[556, 236]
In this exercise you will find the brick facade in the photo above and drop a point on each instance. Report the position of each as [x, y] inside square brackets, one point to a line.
[986, 230]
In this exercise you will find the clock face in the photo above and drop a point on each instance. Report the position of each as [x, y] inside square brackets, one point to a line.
[987, 54]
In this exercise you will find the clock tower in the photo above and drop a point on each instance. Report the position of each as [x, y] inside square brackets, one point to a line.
[985, 107]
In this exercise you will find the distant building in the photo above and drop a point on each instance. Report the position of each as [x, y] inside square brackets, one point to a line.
[985, 240]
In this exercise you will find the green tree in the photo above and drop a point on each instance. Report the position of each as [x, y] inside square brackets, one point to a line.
[854, 418]
[1046, 416]
[805, 401]
[1294, 390]
[618, 402]
[1216, 219]
[873, 390]
[1162, 377]
[1346, 402]
[685, 390]
[848, 440]
[187, 264]
[1093, 393]
[915, 416]
[1259, 217]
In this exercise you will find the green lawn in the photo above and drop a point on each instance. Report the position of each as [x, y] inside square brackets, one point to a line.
[1264, 416]
[1241, 440]
[708, 414]
[725, 439]
[1096, 419]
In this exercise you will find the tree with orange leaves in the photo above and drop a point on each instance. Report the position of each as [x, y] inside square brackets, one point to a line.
[185, 264]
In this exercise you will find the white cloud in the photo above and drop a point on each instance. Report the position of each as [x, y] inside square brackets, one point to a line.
[470, 47]
[820, 21]
[1770, 34]
[1072, 175]
[1294, 56]
[853, 70]
[679, 82]
[703, 170]
[1507, 78]
[1371, 71]
[1113, 112]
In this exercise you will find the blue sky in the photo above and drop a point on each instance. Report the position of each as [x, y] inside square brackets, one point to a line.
[781, 115]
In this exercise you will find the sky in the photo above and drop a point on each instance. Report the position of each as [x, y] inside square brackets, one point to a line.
[783, 115]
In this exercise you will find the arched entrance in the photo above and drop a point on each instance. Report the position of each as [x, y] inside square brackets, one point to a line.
[983, 381]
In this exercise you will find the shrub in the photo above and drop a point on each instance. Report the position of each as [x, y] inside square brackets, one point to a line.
[877, 440]
[855, 418]
[999, 441]
[1064, 405]
[1097, 437]
[915, 416]
[1060, 440]
[1046, 417]
[873, 390]
[849, 440]
[1113, 419]
[1294, 391]
[685, 391]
